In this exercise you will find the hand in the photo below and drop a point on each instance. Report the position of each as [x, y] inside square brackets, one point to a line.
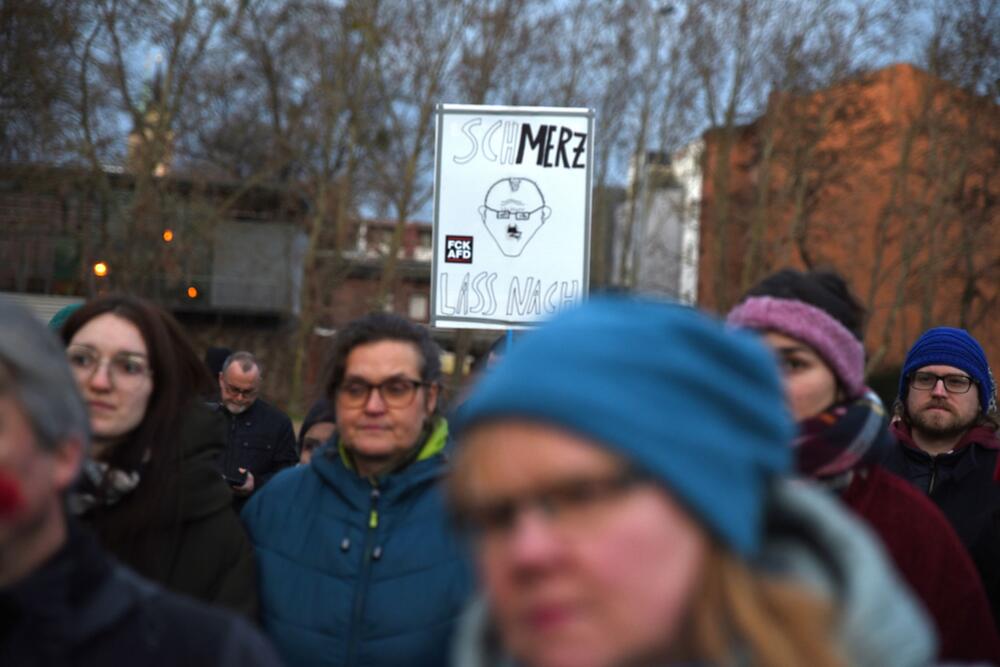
[247, 487]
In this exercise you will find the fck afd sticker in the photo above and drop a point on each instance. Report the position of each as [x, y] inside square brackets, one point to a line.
[458, 249]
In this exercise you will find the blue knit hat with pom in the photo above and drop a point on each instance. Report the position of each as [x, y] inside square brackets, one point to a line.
[695, 405]
[947, 346]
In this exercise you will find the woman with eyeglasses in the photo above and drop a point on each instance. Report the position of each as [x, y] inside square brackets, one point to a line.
[359, 563]
[152, 491]
[814, 325]
[621, 477]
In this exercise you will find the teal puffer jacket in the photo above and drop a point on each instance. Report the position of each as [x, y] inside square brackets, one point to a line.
[356, 574]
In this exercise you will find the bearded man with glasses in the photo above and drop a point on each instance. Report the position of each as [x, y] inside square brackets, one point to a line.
[948, 445]
[358, 561]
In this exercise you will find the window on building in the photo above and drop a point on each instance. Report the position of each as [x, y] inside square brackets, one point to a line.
[418, 307]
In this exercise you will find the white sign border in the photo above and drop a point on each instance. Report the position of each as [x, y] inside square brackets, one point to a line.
[440, 111]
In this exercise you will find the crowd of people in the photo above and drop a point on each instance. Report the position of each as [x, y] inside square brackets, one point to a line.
[634, 483]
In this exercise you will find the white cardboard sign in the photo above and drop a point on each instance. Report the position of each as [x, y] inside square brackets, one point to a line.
[511, 214]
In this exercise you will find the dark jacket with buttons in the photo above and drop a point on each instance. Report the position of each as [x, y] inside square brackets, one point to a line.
[261, 440]
[961, 483]
[82, 608]
[357, 573]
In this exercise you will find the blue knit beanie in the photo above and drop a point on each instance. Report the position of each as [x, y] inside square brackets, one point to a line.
[697, 406]
[947, 346]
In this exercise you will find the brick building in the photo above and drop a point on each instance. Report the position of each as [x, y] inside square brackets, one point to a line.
[891, 178]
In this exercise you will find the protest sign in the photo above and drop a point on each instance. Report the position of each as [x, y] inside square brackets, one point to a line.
[511, 214]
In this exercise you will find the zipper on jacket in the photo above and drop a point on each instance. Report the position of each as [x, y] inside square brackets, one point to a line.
[361, 590]
[930, 487]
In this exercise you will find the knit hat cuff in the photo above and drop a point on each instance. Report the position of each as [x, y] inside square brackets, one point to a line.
[832, 341]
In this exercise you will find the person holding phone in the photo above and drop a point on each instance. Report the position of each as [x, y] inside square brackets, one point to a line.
[260, 439]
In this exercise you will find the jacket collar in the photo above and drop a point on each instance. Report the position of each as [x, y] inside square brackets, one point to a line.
[433, 445]
[248, 413]
[977, 435]
[336, 470]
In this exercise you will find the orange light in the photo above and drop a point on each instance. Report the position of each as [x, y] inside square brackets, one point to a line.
[100, 269]
[192, 292]
[168, 235]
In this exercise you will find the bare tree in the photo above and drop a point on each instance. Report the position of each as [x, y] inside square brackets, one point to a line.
[645, 40]
[152, 103]
[412, 72]
[36, 89]
[307, 71]
[329, 105]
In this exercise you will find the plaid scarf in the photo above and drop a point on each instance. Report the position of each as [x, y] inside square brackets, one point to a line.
[843, 438]
[100, 485]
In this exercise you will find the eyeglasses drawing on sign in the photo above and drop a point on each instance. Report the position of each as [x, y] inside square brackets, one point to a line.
[513, 211]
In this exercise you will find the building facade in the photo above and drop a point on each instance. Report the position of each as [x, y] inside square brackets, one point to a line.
[891, 178]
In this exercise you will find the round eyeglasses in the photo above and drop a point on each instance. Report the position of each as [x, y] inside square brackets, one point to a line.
[125, 368]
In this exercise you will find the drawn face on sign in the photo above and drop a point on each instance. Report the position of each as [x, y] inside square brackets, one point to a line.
[513, 211]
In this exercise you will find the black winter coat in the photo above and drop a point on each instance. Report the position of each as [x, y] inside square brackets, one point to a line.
[261, 440]
[82, 608]
[193, 542]
[961, 484]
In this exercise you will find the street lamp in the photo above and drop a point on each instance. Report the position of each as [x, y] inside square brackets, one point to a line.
[100, 269]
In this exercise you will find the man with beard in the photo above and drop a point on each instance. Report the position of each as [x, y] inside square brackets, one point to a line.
[261, 439]
[948, 444]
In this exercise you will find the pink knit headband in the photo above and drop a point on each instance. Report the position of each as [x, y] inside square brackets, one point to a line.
[832, 341]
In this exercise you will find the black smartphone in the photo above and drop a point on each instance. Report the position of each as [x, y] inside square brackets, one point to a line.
[239, 480]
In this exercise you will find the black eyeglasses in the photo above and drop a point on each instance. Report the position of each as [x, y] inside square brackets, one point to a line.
[395, 392]
[953, 384]
[569, 506]
[241, 393]
[507, 214]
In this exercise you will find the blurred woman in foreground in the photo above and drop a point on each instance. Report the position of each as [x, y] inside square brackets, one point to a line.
[152, 492]
[620, 476]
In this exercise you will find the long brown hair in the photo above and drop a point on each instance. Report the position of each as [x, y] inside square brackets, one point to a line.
[767, 620]
[153, 447]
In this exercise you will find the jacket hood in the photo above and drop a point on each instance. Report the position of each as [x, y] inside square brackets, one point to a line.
[435, 443]
[811, 539]
[333, 465]
[978, 435]
[814, 539]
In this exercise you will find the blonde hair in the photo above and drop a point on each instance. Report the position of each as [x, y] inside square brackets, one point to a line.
[738, 613]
